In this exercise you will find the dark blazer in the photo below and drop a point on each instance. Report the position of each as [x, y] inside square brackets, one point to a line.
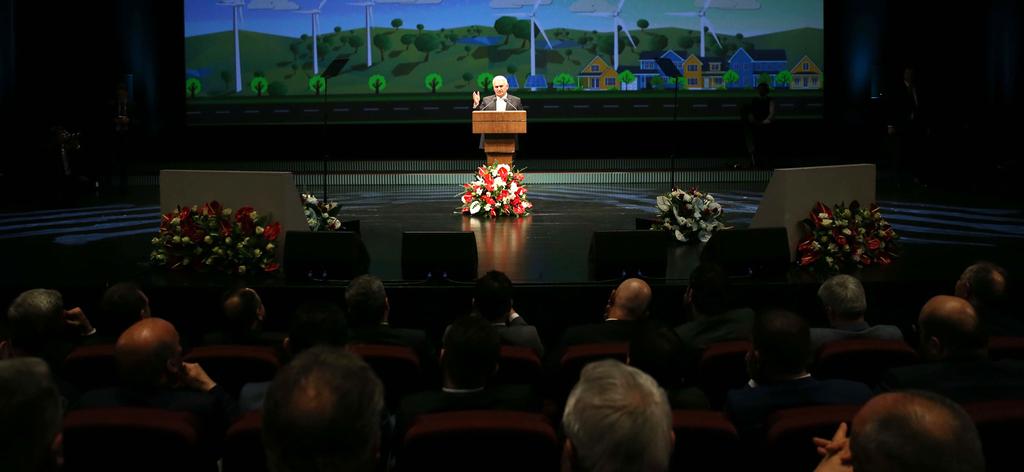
[517, 333]
[961, 381]
[749, 407]
[822, 336]
[413, 338]
[608, 331]
[489, 103]
[729, 326]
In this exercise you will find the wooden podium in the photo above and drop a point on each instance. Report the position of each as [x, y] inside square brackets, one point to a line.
[499, 129]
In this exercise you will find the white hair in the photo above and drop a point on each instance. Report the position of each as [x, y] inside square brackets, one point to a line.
[845, 295]
[499, 78]
[618, 419]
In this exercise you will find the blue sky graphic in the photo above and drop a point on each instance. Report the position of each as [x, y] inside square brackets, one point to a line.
[206, 16]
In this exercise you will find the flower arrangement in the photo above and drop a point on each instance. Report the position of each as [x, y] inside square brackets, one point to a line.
[321, 215]
[211, 237]
[498, 190]
[843, 238]
[691, 215]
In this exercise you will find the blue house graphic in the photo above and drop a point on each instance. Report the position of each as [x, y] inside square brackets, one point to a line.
[749, 65]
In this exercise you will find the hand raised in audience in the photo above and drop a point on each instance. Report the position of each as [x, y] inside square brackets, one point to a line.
[75, 317]
[835, 453]
[193, 376]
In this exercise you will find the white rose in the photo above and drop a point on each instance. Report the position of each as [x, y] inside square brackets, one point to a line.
[259, 230]
[241, 269]
[514, 187]
[257, 252]
[664, 203]
[474, 208]
[487, 207]
[499, 182]
[270, 246]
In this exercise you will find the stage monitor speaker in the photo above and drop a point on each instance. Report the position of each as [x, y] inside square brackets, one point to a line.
[749, 252]
[325, 255]
[439, 255]
[621, 254]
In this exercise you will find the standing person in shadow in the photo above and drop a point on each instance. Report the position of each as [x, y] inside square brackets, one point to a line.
[758, 119]
[906, 127]
[123, 124]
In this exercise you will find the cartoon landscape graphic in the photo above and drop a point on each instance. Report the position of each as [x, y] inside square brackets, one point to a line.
[287, 51]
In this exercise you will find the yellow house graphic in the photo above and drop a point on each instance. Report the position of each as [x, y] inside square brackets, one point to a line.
[806, 75]
[692, 73]
[598, 75]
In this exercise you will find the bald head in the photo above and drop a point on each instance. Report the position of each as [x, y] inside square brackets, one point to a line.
[148, 353]
[950, 328]
[910, 431]
[630, 300]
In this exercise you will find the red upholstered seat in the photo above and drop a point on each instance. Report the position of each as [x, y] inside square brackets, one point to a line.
[788, 442]
[863, 360]
[91, 367]
[398, 368]
[705, 440]
[722, 367]
[518, 365]
[232, 366]
[243, 445]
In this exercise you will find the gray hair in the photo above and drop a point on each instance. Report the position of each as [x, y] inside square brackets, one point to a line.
[845, 295]
[618, 419]
[34, 320]
[499, 78]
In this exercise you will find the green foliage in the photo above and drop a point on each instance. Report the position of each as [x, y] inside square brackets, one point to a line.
[656, 82]
[730, 77]
[564, 81]
[258, 85]
[505, 26]
[468, 77]
[657, 42]
[511, 69]
[317, 83]
[627, 77]
[433, 81]
[484, 80]
[643, 24]
[763, 78]
[408, 40]
[522, 31]
[356, 41]
[377, 83]
[419, 28]
[606, 42]
[784, 78]
[226, 77]
[426, 43]
[396, 23]
[193, 87]
[383, 43]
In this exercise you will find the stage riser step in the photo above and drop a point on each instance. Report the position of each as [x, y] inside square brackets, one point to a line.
[456, 179]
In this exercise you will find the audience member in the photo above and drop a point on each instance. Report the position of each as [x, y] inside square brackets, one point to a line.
[658, 352]
[31, 415]
[845, 304]
[984, 285]
[492, 300]
[367, 309]
[617, 419]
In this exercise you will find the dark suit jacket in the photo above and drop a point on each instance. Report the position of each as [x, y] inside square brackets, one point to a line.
[489, 103]
[962, 381]
[609, 331]
[822, 336]
[517, 333]
[749, 407]
[729, 326]
[413, 338]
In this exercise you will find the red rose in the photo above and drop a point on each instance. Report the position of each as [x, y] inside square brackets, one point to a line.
[503, 173]
[809, 259]
[518, 210]
[841, 240]
[270, 232]
[467, 198]
[271, 267]
[492, 212]
[864, 259]
[874, 244]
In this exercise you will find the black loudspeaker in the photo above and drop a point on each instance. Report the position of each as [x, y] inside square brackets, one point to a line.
[749, 252]
[325, 255]
[439, 255]
[622, 254]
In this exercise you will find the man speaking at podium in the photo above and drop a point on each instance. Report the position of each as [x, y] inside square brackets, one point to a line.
[500, 101]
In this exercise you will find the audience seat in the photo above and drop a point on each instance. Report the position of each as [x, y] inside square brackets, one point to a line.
[576, 357]
[863, 360]
[787, 443]
[131, 439]
[705, 440]
[480, 440]
[398, 368]
[91, 367]
[232, 366]
[1006, 347]
[518, 365]
[243, 445]
[999, 424]
[722, 367]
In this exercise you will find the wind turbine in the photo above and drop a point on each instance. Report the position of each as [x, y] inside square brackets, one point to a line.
[369, 22]
[616, 22]
[704, 22]
[236, 18]
[533, 43]
[315, 19]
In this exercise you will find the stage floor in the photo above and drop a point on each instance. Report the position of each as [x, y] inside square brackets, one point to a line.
[99, 239]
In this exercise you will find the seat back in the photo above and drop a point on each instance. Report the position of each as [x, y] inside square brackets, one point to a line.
[999, 423]
[578, 356]
[788, 442]
[1006, 347]
[243, 445]
[91, 367]
[722, 367]
[398, 368]
[480, 440]
[232, 366]
[862, 360]
[705, 440]
[127, 438]
[518, 365]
